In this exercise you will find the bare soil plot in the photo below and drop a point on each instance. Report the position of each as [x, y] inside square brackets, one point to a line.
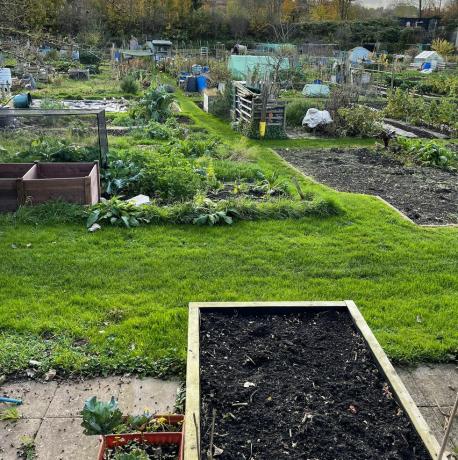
[297, 385]
[426, 195]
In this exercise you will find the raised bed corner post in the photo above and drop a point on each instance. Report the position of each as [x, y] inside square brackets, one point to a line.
[103, 139]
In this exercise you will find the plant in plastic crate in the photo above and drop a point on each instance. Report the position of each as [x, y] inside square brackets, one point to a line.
[140, 437]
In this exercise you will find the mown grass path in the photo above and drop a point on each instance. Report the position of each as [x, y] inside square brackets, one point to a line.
[116, 299]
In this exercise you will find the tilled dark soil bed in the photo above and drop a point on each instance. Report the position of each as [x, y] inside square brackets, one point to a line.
[297, 385]
[426, 195]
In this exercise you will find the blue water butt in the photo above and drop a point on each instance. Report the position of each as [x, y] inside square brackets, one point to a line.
[201, 83]
[191, 84]
[22, 101]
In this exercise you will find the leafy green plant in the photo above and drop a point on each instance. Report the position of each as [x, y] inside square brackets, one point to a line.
[129, 85]
[272, 185]
[209, 214]
[170, 176]
[430, 153]
[52, 149]
[196, 146]
[116, 212]
[121, 177]
[359, 121]
[136, 454]
[10, 413]
[155, 105]
[100, 417]
[27, 450]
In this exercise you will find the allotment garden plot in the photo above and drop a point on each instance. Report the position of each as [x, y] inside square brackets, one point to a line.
[427, 195]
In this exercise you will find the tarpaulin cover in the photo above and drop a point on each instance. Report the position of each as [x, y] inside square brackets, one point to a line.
[315, 90]
[241, 66]
[315, 117]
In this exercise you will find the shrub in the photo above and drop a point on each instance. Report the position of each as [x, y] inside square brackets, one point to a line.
[359, 121]
[295, 112]
[129, 85]
[89, 58]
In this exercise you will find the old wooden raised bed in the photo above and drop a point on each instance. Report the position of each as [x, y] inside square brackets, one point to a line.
[10, 174]
[40, 182]
[295, 380]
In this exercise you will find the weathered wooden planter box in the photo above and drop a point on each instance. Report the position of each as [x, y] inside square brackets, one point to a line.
[40, 182]
[295, 380]
[10, 174]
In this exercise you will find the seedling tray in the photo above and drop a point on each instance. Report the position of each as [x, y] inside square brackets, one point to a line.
[158, 438]
[295, 380]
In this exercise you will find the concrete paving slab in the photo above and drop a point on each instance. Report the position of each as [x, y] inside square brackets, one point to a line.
[414, 389]
[69, 397]
[436, 422]
[63, 439]
[11, 435]
[35, 397]
[439, 383]
[153, 395]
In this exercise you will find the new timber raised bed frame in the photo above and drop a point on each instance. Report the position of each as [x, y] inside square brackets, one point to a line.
[192, 418]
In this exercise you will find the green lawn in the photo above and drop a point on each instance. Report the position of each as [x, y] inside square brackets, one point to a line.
[116, 300]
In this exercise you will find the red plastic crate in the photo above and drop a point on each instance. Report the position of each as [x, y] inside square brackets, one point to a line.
[112, 440]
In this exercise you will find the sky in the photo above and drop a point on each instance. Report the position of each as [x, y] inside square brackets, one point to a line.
[373, 3]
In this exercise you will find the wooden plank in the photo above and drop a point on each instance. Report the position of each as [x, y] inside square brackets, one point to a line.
[192, 418]
[294, 304]
[40, 113]
[400, 391]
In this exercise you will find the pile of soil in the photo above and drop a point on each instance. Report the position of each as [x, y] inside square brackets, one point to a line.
[297, 385]
[427, 195]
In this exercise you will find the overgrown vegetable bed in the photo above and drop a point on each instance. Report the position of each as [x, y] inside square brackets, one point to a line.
[427, 195]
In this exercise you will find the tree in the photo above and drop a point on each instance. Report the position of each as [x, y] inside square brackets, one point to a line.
[443, 47]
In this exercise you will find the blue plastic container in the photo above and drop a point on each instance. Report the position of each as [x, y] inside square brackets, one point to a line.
[22, 101]
[191, 84]
[201, 83]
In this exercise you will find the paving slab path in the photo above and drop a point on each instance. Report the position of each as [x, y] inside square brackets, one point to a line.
[50, 412]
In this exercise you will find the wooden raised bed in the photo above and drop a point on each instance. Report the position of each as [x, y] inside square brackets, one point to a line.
[40, 182]
[295, 380]
[10, 174]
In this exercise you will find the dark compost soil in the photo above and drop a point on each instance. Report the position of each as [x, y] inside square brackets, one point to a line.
[426, 195]
[297, 385]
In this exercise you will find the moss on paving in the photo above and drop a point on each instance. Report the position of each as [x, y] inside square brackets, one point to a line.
[116, 300]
